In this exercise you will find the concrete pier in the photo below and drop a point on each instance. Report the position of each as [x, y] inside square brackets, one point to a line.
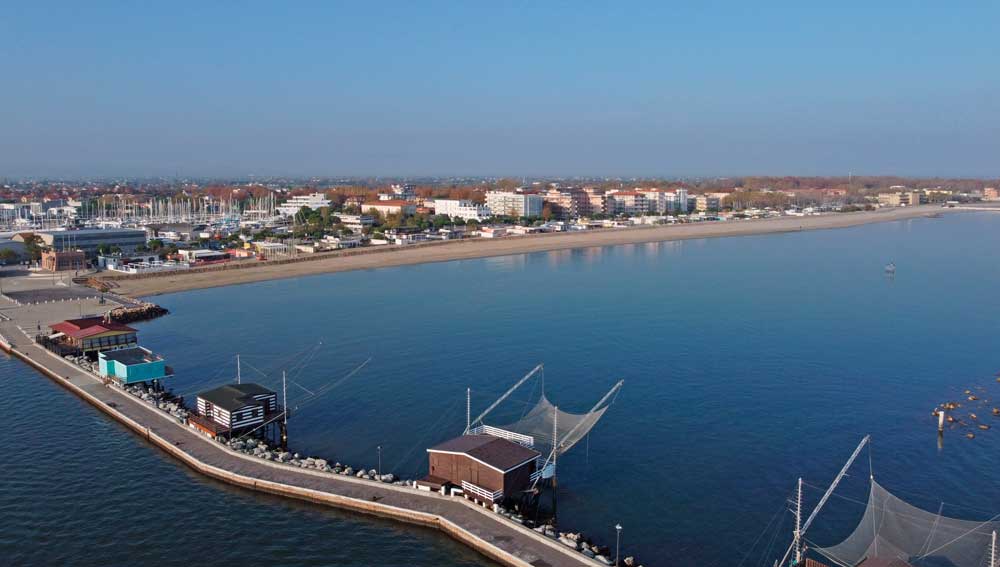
[490, 534]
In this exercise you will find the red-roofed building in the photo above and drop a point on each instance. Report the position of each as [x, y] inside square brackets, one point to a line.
[93, 334]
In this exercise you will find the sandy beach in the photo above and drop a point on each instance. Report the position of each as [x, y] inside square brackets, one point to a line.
[481, 248]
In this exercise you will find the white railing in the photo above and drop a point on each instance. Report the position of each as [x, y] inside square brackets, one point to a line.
[526, 440]
[548, 471]
[481, 492]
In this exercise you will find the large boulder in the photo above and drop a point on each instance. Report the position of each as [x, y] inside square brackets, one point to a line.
[568, 542]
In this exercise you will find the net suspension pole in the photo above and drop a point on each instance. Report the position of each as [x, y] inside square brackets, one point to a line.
[798, 523]
[284, 396]
[238, 368]
[993, 550]
[468, 409]
[826, 496]
[505, 395]
[555, 440]
[599, 403]
[555, 455]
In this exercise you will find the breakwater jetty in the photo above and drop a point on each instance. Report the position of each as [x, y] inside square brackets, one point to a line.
[491, 534]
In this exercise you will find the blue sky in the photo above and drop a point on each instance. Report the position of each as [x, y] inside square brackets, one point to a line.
[499, 88]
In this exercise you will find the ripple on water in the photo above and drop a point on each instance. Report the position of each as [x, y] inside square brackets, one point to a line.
[79, 489]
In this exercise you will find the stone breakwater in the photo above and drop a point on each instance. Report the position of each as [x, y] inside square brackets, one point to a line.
[498, 534]
[142, 312]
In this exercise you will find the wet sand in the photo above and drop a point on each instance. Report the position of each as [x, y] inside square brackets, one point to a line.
[480, 248]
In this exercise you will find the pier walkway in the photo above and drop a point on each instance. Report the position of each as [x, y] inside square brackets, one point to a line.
[491, 534]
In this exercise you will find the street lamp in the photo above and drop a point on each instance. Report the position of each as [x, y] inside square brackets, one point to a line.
[618, 542]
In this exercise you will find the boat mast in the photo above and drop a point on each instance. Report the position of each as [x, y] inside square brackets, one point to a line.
[993, 550]
[468, 410]
[238, 380]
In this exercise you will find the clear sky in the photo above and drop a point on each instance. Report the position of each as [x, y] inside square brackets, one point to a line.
[499, 88]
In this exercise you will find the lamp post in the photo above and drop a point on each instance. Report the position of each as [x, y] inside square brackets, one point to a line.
[618, 542]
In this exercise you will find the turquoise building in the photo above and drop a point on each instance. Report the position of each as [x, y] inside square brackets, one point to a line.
[132, 365]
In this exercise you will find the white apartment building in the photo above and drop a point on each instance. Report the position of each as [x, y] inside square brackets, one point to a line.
[514, 204]
[292, 206]
[461, 208]
[356, 223]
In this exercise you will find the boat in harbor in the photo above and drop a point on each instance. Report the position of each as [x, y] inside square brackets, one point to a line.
[890, 268]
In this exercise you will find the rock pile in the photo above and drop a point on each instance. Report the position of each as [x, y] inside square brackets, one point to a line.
[142, 312]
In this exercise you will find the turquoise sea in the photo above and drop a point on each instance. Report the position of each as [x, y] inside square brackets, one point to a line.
[748, 362]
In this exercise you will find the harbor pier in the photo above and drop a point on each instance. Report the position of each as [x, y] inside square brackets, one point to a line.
[490, 534]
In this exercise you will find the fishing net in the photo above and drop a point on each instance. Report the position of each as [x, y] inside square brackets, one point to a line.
[570, 427]
[894, 529]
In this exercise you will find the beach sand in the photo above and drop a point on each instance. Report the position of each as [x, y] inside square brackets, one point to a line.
[481, 248]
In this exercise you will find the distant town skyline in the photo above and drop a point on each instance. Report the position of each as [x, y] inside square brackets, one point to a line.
[510, 89]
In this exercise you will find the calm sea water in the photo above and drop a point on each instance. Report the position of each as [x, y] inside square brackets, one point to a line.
[748, 362]
[79, 489]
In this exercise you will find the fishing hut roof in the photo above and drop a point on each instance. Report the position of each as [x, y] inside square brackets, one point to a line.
[492, 451]
[234, 396]
[89, 326]
[134, 355]
[894, 533]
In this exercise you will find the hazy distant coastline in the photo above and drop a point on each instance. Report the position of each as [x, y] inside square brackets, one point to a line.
[482, 248]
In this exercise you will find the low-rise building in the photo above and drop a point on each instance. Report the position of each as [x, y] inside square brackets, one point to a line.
[132, 366]
[60, 261]
[487, 468]
[461, 209]
[91, 335]
[991, 194]
[890, 199]
[493, 231]
[202, 256]
[89, 240]
[390, 207]
[293, 205]
[356, 223]
[234, 408]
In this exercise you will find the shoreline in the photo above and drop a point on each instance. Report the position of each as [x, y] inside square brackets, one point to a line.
[173, 282]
